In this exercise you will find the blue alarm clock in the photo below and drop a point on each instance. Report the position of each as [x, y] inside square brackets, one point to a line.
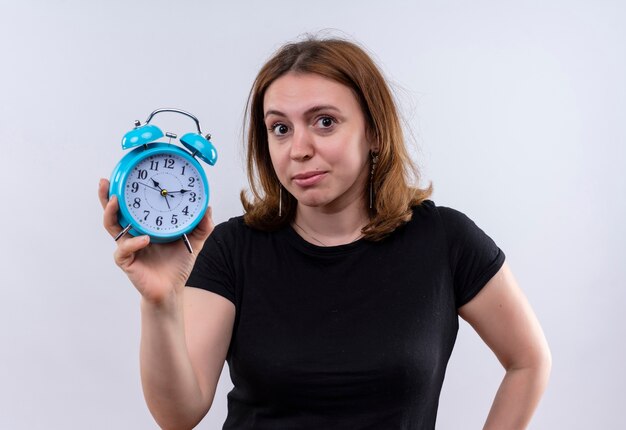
[161, 188]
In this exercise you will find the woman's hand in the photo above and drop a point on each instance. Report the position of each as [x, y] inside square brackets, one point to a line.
[157, 271]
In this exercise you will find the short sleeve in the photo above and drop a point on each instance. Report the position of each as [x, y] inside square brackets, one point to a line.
[474, 256]
[213, 270]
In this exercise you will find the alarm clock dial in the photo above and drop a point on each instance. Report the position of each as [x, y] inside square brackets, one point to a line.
[164, 193]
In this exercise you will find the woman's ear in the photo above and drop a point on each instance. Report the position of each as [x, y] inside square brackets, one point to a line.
[373, 140]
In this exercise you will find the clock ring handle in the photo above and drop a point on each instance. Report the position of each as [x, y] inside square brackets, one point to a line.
[182, 112]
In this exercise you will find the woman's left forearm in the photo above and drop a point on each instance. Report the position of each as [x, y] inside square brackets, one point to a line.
[518, 397]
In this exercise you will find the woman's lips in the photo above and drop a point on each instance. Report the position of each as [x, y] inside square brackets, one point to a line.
[308, 179]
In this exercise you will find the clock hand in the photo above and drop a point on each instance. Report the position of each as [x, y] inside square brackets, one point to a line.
[179, 191]
[163, 192]
[168, 203]
[148, 186]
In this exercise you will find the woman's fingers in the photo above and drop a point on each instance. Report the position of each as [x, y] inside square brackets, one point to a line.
[109, 219]
[125, 253]
[103, 192]
[204, 228]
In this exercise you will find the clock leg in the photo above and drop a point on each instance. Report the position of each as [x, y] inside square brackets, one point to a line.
[187, 244]
[123, 232]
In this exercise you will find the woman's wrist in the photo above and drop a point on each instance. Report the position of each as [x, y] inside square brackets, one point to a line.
[169, 304]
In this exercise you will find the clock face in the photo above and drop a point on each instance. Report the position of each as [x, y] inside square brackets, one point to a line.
[164, 193]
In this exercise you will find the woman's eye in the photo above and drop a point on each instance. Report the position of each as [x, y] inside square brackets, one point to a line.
[325, 122]
[279, 129]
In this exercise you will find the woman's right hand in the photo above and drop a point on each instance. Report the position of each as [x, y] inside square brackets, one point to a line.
[158, 271]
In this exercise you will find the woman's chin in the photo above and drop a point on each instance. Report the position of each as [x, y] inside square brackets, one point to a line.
[313, 202]
[325, 203]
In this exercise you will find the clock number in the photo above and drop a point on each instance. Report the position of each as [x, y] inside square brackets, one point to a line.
[183, 173]
[142, 174]
[186, 210]
[137, 203]
[191, 181]
[174, 219]
[192, 197]
[146, 217]
[169, 163]
[159, 220]
[154, 165]
[134, 187]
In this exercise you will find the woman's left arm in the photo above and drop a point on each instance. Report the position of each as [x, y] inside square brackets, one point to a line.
[503, 318]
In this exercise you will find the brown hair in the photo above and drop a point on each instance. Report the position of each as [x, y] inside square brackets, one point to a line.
[344, 62]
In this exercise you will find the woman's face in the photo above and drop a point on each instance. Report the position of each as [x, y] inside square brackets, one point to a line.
[317, 140]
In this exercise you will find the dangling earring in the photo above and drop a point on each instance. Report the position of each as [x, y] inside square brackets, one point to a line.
[280, 201]
[374, 156]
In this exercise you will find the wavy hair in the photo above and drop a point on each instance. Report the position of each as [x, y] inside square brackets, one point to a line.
[347, 63]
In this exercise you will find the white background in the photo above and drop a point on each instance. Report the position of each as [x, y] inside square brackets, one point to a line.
[517, 114]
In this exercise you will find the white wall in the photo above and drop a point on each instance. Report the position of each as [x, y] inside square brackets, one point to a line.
[517, 110]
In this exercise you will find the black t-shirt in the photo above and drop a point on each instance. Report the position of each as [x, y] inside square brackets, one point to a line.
[354, 336]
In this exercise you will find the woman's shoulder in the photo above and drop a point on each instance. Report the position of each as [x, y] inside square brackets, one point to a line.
[453, 221]
[229, 230]
[236, 229]
[429, 208]
[231, 224]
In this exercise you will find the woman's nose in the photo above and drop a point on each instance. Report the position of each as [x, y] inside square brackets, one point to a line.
[302, 147]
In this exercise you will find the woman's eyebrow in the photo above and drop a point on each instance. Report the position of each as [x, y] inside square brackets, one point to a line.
[315, 109]
[273, 112]
[311, 111]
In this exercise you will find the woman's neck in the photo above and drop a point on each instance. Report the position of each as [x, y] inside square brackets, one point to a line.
[325, 227]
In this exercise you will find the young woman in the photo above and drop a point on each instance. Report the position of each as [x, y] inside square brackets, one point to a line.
[335, 298]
